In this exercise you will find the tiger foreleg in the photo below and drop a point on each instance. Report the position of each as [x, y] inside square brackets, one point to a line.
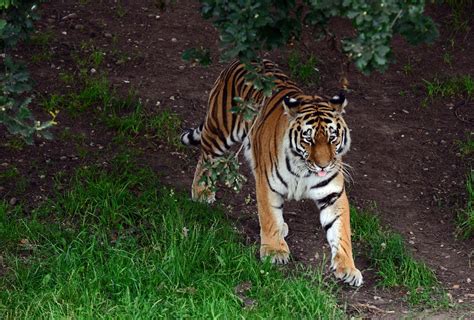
[201, 191]
[335, 218]
[273, 229]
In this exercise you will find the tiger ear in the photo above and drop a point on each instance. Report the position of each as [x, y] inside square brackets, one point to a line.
[291, 106]
[339, 102]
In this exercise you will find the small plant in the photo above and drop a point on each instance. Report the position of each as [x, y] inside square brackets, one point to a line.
[303, 69]
[16, 23]
[120, 10]
[247, 108]
[224, 169]
[66, 78]
[14, 111]
[42, 39]
[199, 55]
[408, 68]
[96, 58]
[53, 103]
[467, 147]
[448, 59]
[465, 218]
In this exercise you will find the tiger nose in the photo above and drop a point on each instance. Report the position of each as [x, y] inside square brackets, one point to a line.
[324, 164]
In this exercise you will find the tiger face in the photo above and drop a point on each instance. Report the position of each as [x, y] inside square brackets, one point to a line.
[318, 134]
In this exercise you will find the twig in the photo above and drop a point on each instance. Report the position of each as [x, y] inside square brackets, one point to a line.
[250, 130]
[396, 18]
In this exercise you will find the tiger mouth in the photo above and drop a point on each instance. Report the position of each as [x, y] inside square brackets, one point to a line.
[321, 172]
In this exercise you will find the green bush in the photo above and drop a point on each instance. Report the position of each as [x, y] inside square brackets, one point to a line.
[16, 22]
[247, 27]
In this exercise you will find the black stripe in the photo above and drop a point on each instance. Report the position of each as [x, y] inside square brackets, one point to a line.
[325, 182]
[288, 167]
[329, 225]
[233, 78]
[281, 178]
[328, 200]
[212, 144]
[193, 141]
[219, 135]
[277, 100]
[270, 186]
[278, 207]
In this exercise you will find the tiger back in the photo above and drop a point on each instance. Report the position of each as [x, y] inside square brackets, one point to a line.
[294, 146]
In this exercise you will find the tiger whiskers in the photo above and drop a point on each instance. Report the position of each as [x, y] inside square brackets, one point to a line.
[346, 171]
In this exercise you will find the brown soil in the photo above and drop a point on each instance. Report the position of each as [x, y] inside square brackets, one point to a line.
[405, 157]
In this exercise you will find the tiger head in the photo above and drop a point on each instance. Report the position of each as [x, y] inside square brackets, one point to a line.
[317, 132]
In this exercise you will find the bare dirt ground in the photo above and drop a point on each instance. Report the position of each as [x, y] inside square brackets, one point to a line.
[405, 157]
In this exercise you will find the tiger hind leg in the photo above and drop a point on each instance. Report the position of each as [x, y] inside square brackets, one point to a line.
[200, 191]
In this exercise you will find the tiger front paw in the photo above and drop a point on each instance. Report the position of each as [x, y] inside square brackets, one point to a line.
[278, 254]
[350, 275]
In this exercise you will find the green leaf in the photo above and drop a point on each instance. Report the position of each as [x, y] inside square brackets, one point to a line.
[3, 23]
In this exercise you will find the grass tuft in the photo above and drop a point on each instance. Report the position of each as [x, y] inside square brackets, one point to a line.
[166, 126]
[395, 266]
[450, 87]
[118, 245]
[465, 218]
[305, 70]
[467, 147]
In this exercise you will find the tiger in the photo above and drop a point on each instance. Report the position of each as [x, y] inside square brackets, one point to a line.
[294, 146]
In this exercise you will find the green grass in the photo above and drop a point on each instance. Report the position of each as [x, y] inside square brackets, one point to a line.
[450, 87]
[118, 245]
[460, 16]
[394, 264]
[53, 102]
[166, 126]
[11, 175]
[129, 124]
[467, 147]
[42, 39]
[97, 58]
[303, 69]
[67, 78]
[125, 115]
[43, 56]
[14, 143]
[465, 218]
[408, 68]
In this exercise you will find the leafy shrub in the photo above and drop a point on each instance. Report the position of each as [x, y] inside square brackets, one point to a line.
[247, 27]
[16, 22]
